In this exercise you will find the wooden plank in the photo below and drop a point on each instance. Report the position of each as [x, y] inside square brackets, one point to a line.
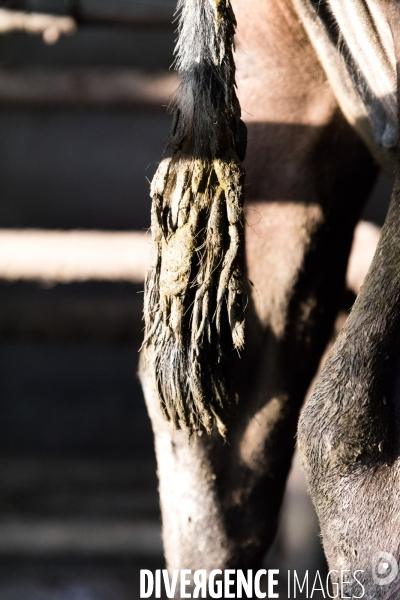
[86, 87]
[79, 537]
[52, 20]
[89, 309]
[57, 507]
[51, 27]
[67, 256]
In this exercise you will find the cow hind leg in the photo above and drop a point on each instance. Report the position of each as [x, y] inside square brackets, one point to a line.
[349, 434]
[349, 431]
[308, 175]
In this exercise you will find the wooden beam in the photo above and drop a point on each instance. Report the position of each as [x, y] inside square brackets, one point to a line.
[67, 256]
[88, 311]
[71, 256]
[51, 27]
[86, 87]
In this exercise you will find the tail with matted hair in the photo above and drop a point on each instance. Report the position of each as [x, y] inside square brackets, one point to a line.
[194, 299]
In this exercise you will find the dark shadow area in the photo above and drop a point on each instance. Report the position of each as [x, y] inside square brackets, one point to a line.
[102, 312]
[378, 203]
[80, 169]
[81, 399]
[92, 46]
[288, 142]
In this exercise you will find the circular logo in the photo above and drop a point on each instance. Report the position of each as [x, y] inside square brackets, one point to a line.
[384, 568]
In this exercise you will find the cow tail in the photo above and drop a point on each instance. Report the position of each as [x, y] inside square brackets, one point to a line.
[194, 298]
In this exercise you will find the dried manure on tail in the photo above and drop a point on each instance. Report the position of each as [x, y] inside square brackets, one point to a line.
[194, 299]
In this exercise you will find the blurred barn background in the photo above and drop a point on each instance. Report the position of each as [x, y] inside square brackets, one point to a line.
[83, 89]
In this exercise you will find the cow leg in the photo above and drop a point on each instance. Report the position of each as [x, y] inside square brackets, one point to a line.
[349, 432]
[308, 176]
